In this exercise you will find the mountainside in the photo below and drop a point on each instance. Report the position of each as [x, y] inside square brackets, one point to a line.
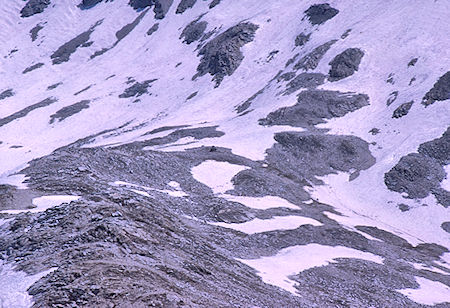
[222, 153]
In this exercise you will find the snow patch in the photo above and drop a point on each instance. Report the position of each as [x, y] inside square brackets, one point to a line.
[276, 269]
[264, 225]
[14, 286]
[45, 202]
[429, 293]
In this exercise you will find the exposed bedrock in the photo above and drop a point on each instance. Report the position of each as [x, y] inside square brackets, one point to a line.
[345, 64]
[314, 106]
[222, 55]
[402, 110]
[193, 31]
[419, 174]
[69, 111]
[311, 60]
[34, 7]
[416, 175]
[304, 80]
[304, 156]
[184, 5]
[439, 92]
[320, 13]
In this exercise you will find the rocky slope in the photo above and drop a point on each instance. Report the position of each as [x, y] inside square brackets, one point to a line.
[224, 154]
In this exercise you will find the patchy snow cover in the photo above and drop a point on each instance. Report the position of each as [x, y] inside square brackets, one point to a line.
[174, 193]
[217, 175]
[14, 286]
[45, 202]
[429, 293]
[264, 225]
[15, 180]
[261, 203]
[420, 266]
[276, 269]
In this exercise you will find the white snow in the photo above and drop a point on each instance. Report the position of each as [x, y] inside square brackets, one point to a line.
[264, 225]
[174, 193]
[15, 180]
[429, 293]
[45, 202]
[420, 266]
[261, 203]
[276, 269]
[143, 193]
[14, 286]
[217, 175]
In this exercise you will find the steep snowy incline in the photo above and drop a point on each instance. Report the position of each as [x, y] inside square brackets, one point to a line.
[287, 126]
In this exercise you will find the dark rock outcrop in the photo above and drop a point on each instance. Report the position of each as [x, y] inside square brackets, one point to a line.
[222, 55]
[137, 89]
[34, 7]
[320, 13]
[32, 67]
[184, 5]
[439, 92]
[304, 80]
[314, 106]
[69, 111]
[302, 39]
[6, 93]
[193, 31]
[312, 59]
[345, 64]
[402, 110]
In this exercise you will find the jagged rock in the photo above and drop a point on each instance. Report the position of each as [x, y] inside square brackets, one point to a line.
[302, 39]
[416, 175]
[222, 55]
[32, 67]
[6, 93]
[69, 111]
[313, 106]
[304, 80]
[137, 89]
[439, 92]
[184, 5]
[438, 149]
[320, 13]
[312, 59]
[193, 31]
[402, 110]
[34, 7]
[345, 64]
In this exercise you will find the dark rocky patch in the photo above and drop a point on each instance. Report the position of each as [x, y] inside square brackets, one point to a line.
[438, 149]
[87, 4]
[416, 175]
[346, 33]
[87, 44]
[137, 89]
[163, 129]
[125, 30]
[304, 156]
[370, 285]
[54, 86]
[304, 80]
[302, 39]
[197, 133]
[6, 93]
[193, 31]
[192, 95]
[83, 90]
[184, 5]
[345, 64]
[99, 53]
[160, 7]
[403, 207]
[153, 29]
[439, 92]
[32, 67]
[214, 3]
[446, 226]
[22, 113]
[412, 80]
[63, 53]
[286, 76]
[312, 59]
[34, 7]
[313, 106]
[222, 55]
[413, 62]
[34, 31]
[392, 97]
[320, 13]
[12, 198]
[442, 196]
[69, 111]
[245, 105]
[402, 110]
[390, 79]
[374, 131]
